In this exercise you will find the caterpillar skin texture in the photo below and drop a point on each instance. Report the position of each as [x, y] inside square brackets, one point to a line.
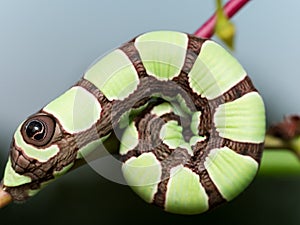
[193, 124]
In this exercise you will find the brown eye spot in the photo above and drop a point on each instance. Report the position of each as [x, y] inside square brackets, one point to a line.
[38, 130]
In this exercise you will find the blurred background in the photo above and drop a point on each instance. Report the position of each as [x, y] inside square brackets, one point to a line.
[45, 47]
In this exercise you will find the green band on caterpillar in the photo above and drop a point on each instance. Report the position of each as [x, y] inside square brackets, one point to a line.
[130, 139]
[171, 134]
[11, 178]
[114, 75]
[231, 172]
[195, 122]
[155, 49]
[230, 119]
[207, 76]
[190, 198]
[65, 107]
[162, 109]
[190, 123]
[143, 174]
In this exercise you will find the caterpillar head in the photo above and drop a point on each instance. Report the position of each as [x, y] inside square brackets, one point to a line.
[37, 156]
[49, 143]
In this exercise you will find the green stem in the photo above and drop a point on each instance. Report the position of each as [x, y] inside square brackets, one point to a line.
[279, 162]
[272, 142]
[280, 157]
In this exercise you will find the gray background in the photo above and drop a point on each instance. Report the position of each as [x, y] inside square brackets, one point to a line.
[45, 47]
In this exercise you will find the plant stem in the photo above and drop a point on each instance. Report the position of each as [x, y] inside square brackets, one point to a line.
[279, 163]
[272, 142]
[230, 9]
[280, 157]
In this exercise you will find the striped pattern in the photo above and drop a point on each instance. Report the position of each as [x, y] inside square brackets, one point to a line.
[187, 156]
[221, 75]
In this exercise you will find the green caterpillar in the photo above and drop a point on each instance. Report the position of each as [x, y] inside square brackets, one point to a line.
[192, 124]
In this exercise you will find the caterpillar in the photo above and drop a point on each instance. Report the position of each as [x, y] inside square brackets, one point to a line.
[192, 124]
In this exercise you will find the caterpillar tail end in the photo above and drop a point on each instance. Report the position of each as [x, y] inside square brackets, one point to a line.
[5, 197]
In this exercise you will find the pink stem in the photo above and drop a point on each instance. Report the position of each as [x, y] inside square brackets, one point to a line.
[230, 9]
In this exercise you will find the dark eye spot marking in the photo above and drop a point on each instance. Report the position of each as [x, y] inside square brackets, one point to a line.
[38, 130]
